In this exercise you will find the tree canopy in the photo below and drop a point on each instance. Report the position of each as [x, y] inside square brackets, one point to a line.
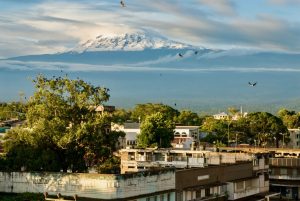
[13, 110]
[260, 128]
[62, 128]
[290, 119]
[267, 128]
[142, 110]
[188, 118]
[156, 131]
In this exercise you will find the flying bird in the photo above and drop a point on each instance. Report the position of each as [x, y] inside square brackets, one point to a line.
[252, 84]
[122, 3]
[179, 54]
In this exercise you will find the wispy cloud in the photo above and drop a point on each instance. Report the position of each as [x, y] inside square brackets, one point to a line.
[68, 67]
[224, 7]
[284, 2]
[55, 26]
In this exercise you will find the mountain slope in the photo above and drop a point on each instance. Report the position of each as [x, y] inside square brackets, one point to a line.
[140, 49]
[129, 42]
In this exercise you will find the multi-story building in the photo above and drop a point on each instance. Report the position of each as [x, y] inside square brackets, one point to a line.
[131, 130]
[204, 174]
[285, 176]
[231, 181]
[151, 185]
[294, 138]
[184, 136]
[284, 168]
[138, 160]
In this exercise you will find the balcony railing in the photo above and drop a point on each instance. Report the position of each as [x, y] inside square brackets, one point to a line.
[285, 162]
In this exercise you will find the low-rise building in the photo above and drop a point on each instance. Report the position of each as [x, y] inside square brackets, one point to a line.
[294, 138]
[151, 185]
[105, 108]
[184, 136]
[231, 181]
[204, 174]
[131, 130]
[221, 116]
[139, 160]
[285, 176]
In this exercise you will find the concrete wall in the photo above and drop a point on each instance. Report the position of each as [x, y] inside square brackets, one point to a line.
[219, 174]
[97, 186]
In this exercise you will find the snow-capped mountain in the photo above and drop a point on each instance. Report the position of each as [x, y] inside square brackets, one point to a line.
[129, 42]
[149, 49]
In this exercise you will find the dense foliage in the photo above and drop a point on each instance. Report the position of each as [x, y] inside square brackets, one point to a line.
[13, 110]
[258, 128]
[267, 128]
[63, 130]
[156, 131]
[141, 111]
[291, 119]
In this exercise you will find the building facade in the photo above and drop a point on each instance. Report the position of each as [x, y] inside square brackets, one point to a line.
[294, 138]
[204, 174]
[151, 185]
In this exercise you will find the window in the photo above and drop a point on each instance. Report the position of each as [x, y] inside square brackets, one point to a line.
[283, 171]
[131, 156]
[198, 193]
[207, 192]
[255, 162]
[239, 185]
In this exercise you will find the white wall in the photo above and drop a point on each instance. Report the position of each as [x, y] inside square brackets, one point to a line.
[100, 186]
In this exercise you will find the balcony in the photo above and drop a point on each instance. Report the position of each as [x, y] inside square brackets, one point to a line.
[285, 162]
[245, 193]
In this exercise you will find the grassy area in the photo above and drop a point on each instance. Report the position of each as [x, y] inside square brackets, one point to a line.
[21, 197]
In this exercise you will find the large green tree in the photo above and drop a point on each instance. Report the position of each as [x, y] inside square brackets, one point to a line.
[217, 130]
[140, 111]
[188, 118]
[290, 119]
[156, 131]
[12, 110]
[121, 116]
[267, 128]
[63, 127]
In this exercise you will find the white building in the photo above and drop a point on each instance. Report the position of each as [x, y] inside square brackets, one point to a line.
[134, 187]
[183, 135]
[131, 130]
[221, 116]
[295, 138]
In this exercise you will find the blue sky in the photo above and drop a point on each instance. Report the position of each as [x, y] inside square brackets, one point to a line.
[50, 26]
